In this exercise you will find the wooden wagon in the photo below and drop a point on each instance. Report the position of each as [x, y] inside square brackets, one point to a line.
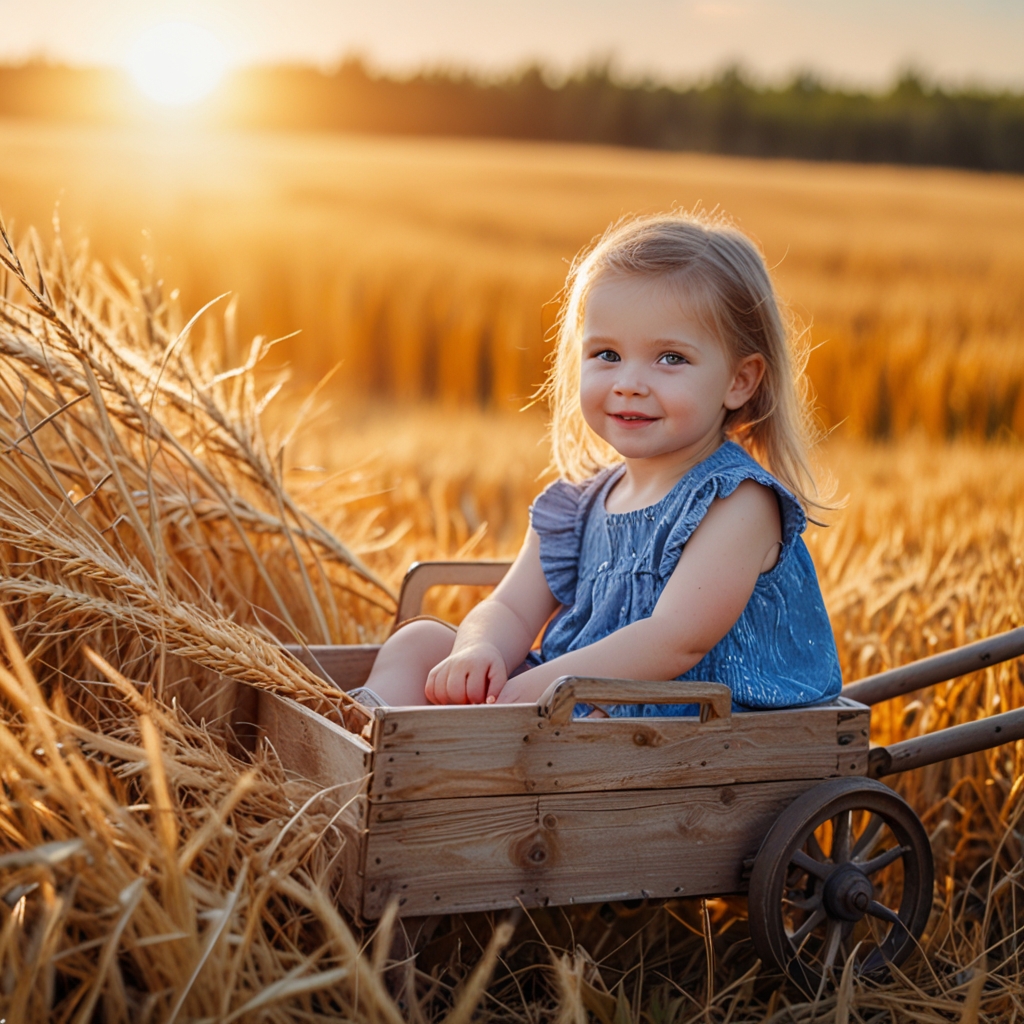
[467, 808]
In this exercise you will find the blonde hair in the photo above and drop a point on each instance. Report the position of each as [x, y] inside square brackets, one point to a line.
[725, 276]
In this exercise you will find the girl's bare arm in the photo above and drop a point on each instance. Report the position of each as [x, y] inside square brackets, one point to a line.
[738, 539]
[497, 634]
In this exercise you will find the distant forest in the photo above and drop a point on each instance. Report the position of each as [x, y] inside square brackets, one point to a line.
[914, 122]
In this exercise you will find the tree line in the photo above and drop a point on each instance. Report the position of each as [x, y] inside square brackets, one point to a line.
[913, 122]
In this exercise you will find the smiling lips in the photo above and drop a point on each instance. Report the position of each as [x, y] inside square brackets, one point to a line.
[631, 420]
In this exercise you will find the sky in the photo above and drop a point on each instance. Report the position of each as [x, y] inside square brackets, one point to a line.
[851, 42]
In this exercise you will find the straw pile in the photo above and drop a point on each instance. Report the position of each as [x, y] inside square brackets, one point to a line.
[147, 872]
[152, 560]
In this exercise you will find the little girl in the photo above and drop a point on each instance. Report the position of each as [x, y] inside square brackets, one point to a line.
[670, 547]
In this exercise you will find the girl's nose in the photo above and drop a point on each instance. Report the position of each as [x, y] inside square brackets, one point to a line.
[631, 384]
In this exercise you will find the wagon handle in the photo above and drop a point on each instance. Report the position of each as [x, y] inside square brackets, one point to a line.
[938, 668]
[424, 575]
[955, 741]
[559, 699]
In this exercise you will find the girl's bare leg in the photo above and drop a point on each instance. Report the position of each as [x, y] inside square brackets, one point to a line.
[400, 672]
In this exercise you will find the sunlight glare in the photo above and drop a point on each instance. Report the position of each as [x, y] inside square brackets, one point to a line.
[177, 63]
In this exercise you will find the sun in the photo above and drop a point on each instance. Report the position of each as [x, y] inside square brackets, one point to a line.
[177, 63]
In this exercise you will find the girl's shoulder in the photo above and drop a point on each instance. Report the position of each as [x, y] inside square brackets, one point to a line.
[685, 506]
[731, 465]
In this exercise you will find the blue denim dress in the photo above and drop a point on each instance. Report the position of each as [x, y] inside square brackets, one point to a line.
[609, 569]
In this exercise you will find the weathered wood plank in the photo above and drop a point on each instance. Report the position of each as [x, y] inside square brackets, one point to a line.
[853, 729]
[559, 701]
[244, 715]
[486, 853]
[441, 752]
[340, 762]
[345, 666]
[424, 575]
[310, 745]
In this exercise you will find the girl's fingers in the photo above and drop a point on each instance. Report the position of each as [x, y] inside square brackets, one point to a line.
[437, 684]
[472, 682]
[455, 687]
[465, 680]
[498, 679]
[440, 686]
[476, 683]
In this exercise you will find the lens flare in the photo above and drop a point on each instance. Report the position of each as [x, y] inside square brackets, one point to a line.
[177, 63]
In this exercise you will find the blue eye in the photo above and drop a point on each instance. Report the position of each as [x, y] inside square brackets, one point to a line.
[608, 356]
[673, 359]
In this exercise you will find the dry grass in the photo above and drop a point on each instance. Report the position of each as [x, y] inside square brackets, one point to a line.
[148, 868]
[423, 265]
[149, 872]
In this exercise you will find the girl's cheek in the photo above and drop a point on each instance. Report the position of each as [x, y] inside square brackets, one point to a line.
[591, 402]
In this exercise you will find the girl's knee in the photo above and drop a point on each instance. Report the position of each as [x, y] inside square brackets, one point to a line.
[419, 630]
[400, 670]
[423, 635]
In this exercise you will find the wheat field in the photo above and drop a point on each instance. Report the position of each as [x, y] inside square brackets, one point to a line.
[165, 522]
[425, 269]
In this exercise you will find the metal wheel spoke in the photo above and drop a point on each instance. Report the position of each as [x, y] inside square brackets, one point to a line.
[883, 913]
[844, 943]
[803, 902]
[842, 825]
[814, 848]
[869, 867]
[810, 865]
[807, 927]
[833, 938]
[868, 838]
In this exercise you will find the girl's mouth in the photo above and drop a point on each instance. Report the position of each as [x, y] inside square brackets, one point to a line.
[631, 419]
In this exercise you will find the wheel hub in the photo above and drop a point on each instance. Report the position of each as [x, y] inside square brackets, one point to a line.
[847, 893]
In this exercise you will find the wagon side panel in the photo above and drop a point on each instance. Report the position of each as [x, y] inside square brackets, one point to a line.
[853, 737]
[445, 752]
[316, 749]
[485, 853]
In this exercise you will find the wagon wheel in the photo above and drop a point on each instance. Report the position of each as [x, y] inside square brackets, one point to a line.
[846, 867]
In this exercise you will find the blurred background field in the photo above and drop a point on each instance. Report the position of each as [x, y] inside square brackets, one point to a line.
[427, 269]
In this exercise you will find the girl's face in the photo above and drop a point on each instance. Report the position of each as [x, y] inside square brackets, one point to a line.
[653, 380]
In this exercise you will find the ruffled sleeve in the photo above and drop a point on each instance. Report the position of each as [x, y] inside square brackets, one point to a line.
[721, 484]
[558, 516]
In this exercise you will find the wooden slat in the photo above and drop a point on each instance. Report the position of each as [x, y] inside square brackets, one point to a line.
[244, 715]
[340, 762]
[345, 666]
[449, 856]
[559, 700]
[440, 752]
[424, 575]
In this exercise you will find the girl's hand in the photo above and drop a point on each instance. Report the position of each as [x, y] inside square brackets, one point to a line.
[467, 676]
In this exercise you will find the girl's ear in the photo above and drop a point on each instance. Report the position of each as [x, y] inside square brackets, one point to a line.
[749, 372]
